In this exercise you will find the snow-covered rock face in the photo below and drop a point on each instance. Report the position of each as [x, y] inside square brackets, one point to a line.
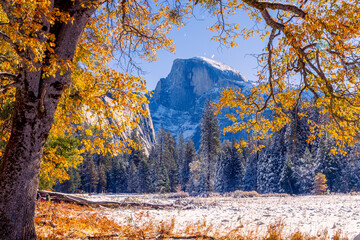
[179, 98]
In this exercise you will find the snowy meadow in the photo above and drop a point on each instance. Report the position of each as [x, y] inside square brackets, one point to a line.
[308, 214]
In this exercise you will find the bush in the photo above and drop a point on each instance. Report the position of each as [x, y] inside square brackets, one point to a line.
[244, 194]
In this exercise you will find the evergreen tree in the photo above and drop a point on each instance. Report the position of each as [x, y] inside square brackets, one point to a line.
[209, 147]
[287, 179]
[102, 178]
[181, 148]
[328, 164]
[170, 156]
[222, 168]
[93, 176]
[142, 177]
[251, 172]
[271, 163]
[189, 157]
[117, 176]
[161, 182]
[305, 172]
[131, 178]
[236, 170]
[135, 158]
[153, 169]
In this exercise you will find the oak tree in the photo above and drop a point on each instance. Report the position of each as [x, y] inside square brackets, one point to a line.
[57, 72]
[312, 52]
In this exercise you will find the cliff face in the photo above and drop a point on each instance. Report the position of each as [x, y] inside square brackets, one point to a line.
[178, 99]
[146, 131]
[145, 126]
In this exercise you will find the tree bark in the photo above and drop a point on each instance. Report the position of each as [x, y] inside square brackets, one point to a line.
[35, 105]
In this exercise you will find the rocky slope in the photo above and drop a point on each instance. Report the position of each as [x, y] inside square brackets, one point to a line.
[178, 99]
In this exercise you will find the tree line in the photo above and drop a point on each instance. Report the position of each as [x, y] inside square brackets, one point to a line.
[287, 163]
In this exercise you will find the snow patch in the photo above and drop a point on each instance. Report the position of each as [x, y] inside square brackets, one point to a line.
[221, 66]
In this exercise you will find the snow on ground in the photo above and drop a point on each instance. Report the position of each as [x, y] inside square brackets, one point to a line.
[309, 214]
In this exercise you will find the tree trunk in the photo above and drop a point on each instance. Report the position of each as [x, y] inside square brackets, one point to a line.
[35, 105]
[21, 167]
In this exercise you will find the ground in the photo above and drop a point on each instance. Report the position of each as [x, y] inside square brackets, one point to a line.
[308, 214]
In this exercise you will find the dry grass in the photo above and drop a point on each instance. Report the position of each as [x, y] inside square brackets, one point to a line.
[67, 221]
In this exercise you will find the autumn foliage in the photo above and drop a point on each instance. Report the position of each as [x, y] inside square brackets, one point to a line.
[320, 186]
[98, 90]
[311, 60]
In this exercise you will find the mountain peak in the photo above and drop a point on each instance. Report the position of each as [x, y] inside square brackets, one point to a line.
[179, 98]
[218, 65]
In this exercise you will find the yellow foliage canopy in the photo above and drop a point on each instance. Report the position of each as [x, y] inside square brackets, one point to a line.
[116, 32]
[313, 49]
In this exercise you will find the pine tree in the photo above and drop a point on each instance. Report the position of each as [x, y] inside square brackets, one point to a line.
[72, 184]
[209, 147]
[327, 163]
[142, 177]
[117, 176]
[305, 172]
[229, 168]
[271, 163]
[159, 169]
[236, 168]
[93, 176]
[222, 168]
[287, 178]
[135, 158]
[153, 169]
[170, 156]
[251, 172]
[131, 178]
[102, 178]
[189, 157]
[181, 148]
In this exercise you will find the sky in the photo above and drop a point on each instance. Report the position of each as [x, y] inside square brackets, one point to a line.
[195, 40]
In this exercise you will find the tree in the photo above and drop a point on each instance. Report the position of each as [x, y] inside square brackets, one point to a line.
[320, 186]
[92, 175]
[305, 172]
[102, 178]
[229, 168]
[48, 70]
[189, 157]
[311, 53]
[287, 178]
[209, 147]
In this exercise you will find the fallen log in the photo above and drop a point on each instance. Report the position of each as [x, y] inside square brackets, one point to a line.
[63, 197]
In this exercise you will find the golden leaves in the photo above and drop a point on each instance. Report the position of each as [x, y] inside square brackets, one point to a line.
[317, 57]
[102, 102]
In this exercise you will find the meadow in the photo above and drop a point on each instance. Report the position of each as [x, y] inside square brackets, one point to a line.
[232, 216]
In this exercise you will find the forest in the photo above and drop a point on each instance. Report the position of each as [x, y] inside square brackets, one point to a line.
[288, 163]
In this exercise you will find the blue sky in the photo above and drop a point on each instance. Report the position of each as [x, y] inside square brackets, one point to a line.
[195, 40]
